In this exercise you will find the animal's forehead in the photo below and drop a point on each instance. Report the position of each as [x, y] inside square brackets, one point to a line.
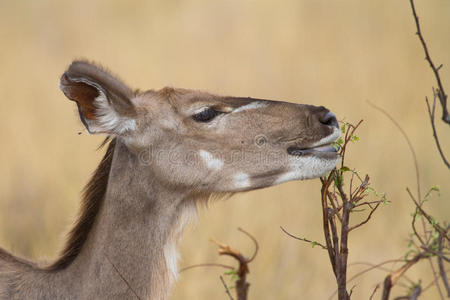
[184, 97]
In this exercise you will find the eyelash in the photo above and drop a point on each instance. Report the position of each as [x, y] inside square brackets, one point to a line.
[206, 115]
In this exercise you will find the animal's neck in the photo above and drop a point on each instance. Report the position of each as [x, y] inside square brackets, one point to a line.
[131, 249]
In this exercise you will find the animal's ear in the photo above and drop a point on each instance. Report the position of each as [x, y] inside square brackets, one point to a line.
[104, 102]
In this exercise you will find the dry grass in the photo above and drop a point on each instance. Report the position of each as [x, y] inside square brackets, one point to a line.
[332, 53]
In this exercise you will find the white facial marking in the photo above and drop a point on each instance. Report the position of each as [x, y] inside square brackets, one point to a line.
[108, 120]
[210, 161]
[328, 139]
[241, 180]
[309, 167]
[252, 105]
[171, 255]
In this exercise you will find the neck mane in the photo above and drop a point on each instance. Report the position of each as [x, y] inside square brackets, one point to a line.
[92, 200]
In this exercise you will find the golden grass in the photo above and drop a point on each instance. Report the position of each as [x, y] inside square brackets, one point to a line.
[332, 53]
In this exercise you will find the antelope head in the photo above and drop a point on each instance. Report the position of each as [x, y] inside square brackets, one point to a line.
[202, 142]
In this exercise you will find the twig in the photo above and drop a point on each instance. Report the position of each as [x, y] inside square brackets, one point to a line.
[205, 265]
[441, 265]
[367, 219]
[433, 282]
[441, 93]
[348, 136]
[303, 239]
[123, 278]
[433, 127]
[429, 219]
[413, 153]
[374, 291]
[254, 242]
[242, 285]
[372, 267]
[226, 288]
[392, 278]
[416, 293]
[436, 277]
[326, 228]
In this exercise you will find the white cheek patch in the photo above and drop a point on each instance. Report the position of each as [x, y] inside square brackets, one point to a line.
[210, 161]
[241, 180]
[308, 167]
[328, 139]
[107, 119]
[252, 105]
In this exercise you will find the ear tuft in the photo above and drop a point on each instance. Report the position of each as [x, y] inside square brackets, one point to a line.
[104, 102]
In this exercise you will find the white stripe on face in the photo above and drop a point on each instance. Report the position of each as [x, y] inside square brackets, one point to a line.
[252, 105]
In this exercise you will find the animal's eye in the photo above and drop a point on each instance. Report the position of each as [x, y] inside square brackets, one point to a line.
[206, 115]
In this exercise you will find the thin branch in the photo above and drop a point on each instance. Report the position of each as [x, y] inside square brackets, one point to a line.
[326, 228]
[441, 93]
[433, 282]
[303, 239]
[413, 225]
[123, 278]
[392, 278]
[372, 267]
[348, 136]
[226, 288]
[411, 148]
[374, 291]
[367, 219]
[436, 278]
[379, 267]
[441, 265]
[433, 127]
[254, 241]
[416, 293]
[429, 219]
[242, 285]
[206, 265]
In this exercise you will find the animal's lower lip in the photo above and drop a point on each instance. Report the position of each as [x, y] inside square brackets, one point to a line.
[297, 151]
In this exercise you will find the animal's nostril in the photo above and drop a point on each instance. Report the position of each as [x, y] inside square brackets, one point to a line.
[329, 119]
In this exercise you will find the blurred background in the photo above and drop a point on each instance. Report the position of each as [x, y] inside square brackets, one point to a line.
[339, 54]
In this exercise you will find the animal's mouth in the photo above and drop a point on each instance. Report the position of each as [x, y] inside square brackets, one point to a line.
[323, 148]
[326, 148]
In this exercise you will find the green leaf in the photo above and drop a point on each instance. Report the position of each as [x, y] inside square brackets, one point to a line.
[344, 169]
[338, 179]
[231, 272]
[355, 138]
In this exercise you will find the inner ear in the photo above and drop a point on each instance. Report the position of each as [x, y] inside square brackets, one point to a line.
[83, 94]
[104, 102]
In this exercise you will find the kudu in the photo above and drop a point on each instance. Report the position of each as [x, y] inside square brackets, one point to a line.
[168, 150]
